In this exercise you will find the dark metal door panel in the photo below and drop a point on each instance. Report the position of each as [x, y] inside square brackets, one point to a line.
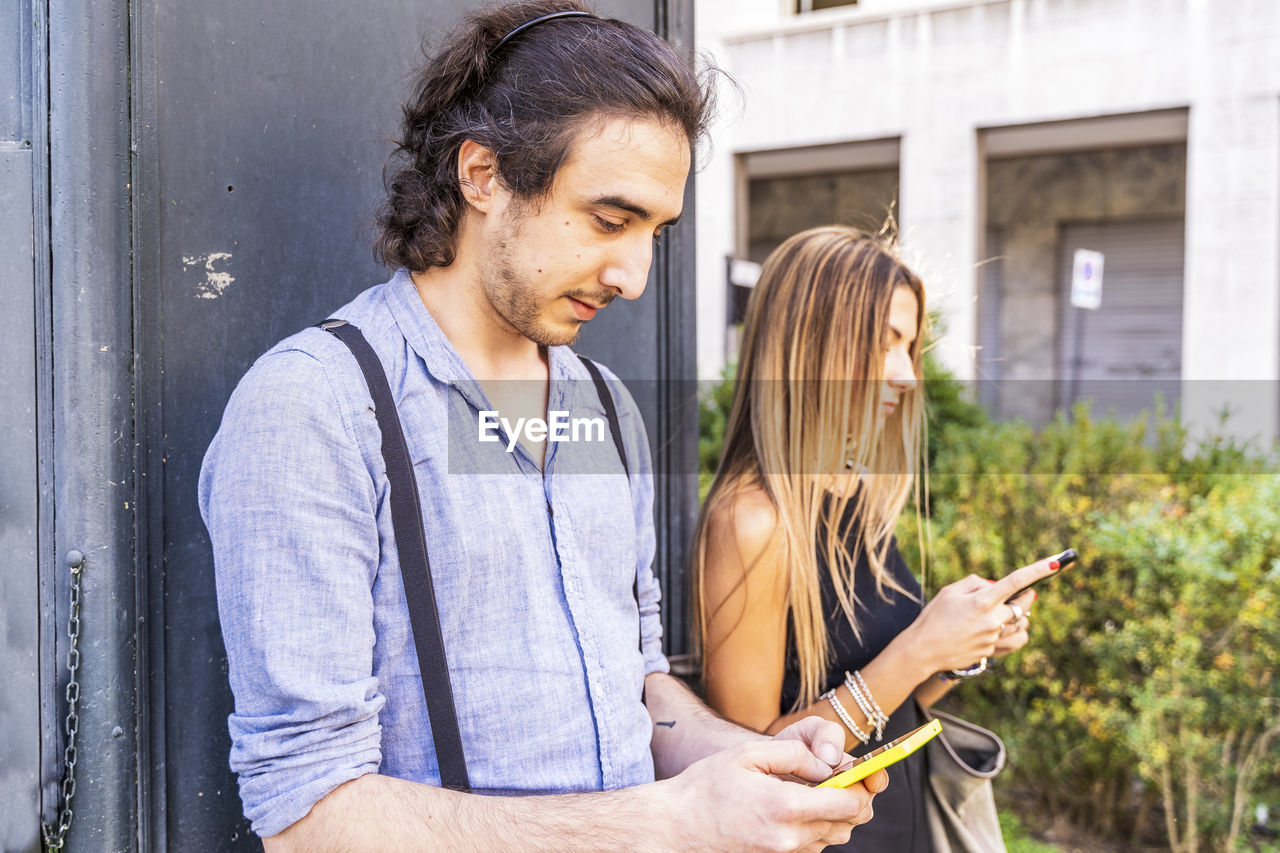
[19, 579]
[91, 411]
[19, 582]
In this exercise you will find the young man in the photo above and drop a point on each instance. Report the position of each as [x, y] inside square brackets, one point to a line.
[544, 150]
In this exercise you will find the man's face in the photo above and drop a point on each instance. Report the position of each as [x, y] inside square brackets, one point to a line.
[549, 266]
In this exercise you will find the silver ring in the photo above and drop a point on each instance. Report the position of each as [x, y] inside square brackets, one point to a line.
[1018, 612]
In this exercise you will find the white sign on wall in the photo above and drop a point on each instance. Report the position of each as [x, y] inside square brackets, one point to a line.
[1086, 280]
[743, 273]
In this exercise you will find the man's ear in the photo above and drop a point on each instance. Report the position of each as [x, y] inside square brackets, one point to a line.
[477, 175]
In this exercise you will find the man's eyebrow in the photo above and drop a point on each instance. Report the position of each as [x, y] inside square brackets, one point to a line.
[621, 203]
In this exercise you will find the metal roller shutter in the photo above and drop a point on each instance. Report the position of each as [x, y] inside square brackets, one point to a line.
[991, 284]
[1130, 349]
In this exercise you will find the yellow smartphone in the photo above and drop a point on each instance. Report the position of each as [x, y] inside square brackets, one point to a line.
[891, 753]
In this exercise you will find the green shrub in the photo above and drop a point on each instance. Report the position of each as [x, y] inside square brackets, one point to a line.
[1016, 838]
[1204, 715]
[1151, 679]
[947, 404]
[714, 400]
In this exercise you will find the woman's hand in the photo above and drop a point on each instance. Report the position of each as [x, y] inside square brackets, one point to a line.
[969, 619]
[1014, 635]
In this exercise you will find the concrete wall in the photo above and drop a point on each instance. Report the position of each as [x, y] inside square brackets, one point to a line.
[780, 207]
[935, 74]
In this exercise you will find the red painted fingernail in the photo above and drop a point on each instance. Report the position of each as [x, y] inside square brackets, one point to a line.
[1054, 565]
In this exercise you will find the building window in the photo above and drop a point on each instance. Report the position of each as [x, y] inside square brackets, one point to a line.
[803, 6]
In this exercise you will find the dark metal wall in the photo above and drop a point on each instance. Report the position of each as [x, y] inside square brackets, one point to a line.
[19, 482]
[260, 144]
[92, 408]
[211, 171]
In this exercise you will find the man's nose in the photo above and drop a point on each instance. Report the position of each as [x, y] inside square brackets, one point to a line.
[627, 270]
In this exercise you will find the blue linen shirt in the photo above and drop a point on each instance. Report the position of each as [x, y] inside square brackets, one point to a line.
[533, 574]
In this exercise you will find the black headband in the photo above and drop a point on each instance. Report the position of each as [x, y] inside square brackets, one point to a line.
[573, 13]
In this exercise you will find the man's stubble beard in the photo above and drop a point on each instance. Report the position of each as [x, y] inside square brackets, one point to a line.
[512, 297]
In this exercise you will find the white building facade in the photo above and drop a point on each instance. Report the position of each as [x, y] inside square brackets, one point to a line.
[1001, 135]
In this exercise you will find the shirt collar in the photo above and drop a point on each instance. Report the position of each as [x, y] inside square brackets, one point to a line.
[422, 332]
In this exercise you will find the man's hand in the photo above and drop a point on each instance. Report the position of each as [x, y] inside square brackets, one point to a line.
[825, 741]
[738, 799]
[734, 800]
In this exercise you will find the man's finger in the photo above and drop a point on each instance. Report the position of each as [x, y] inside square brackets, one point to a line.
[877, 781]
[785, 757]
[824, 738]
[852, 804]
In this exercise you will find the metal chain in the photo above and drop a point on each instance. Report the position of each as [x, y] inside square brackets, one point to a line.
[55, 836]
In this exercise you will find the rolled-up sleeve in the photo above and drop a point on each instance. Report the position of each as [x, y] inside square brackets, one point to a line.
[291, 511]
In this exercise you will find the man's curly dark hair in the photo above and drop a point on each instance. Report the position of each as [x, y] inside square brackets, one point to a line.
[526, 102]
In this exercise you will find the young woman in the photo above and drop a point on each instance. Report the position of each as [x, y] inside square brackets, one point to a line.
[804, 604]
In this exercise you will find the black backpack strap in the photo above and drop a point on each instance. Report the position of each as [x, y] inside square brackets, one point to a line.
[611, 413]
[411, 544]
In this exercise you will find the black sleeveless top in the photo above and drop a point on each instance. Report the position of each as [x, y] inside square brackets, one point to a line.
[899, 825]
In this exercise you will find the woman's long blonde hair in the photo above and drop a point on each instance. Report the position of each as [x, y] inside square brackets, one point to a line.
[806, 406]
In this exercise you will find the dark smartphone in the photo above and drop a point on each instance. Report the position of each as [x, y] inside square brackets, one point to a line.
[1064, 559]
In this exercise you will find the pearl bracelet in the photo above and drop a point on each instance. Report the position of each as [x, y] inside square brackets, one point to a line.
[866, 701]
[830, 696]
[863, 697]
[856, 693]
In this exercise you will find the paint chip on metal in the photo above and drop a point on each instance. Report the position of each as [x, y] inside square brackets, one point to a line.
[215, 281]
